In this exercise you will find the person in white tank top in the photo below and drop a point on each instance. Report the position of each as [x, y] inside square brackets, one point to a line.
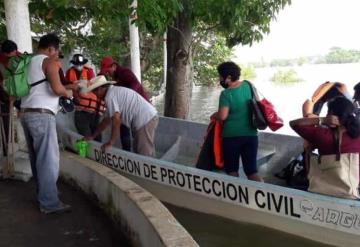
[38, 120]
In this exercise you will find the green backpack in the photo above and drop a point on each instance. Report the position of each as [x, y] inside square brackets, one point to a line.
[16, 76]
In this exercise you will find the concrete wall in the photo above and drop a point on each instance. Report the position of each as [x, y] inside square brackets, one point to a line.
[145, 220]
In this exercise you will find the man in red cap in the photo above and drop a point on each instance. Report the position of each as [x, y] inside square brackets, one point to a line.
[124, 77]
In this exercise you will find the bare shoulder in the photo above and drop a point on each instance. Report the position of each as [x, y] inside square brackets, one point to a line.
[49, 63]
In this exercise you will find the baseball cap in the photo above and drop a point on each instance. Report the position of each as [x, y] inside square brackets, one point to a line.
[106, 62]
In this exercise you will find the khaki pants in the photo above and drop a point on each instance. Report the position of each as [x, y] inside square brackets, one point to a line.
[144, 138]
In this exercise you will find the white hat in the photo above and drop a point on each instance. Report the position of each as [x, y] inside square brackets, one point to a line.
[95, 83]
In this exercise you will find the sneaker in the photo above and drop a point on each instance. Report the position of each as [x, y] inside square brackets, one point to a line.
[62, 208]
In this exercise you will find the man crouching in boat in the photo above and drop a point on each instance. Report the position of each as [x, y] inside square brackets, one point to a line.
[239, 138]
[125, 106]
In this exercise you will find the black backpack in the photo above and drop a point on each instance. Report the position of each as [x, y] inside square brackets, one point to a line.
[295, 174]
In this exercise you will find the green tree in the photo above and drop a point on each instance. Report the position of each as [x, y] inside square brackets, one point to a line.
[208, 56]
[100, 27]
[241, 22]
[339, 55]
[285, 77]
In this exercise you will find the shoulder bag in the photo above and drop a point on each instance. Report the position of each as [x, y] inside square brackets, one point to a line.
[335, 174]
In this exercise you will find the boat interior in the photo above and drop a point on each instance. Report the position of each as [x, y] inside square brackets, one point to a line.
[179, 141]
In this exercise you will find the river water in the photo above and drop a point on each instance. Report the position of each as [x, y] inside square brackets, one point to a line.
[288, 99]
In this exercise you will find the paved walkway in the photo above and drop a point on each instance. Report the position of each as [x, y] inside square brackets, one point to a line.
[21, 223]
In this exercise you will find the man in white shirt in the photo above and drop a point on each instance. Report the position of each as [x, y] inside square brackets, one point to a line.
[125, 106]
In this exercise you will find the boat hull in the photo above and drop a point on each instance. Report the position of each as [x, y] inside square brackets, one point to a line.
[320, 218]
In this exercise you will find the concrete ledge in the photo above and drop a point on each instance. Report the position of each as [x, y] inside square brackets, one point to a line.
[142, 217]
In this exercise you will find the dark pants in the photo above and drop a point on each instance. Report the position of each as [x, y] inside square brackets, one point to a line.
[244, 146]
[125, 137]
[5, 109]
[86, 122]
[5, 118]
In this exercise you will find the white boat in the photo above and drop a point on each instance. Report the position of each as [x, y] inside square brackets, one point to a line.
[173, 178]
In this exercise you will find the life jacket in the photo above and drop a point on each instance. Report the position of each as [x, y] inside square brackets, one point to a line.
[210, 156]
[217, 146]
[71, 75]
[89, 102]
[85, 101]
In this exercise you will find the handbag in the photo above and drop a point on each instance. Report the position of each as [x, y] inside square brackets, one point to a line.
[257, 119]
[335, 174]
[273, 121]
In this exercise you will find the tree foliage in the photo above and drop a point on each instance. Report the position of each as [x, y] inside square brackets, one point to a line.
[209, 55]
[338, 55]
[100, 27]
[286, 77]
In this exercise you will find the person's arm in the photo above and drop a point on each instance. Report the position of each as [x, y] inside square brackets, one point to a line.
[115, 131]
[307, 109]
[329, 120]
[51, 71]
[99, 128]
[223, 110]
[221, 114]
[128, 79]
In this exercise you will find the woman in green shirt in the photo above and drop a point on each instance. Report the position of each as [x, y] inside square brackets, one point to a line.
[239, 138]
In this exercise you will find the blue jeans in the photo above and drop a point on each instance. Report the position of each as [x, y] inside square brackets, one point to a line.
[42, 142]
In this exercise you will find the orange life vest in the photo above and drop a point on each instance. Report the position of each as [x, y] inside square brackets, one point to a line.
[219, 162]
[71, 75]
[89, 102]
[85, 101]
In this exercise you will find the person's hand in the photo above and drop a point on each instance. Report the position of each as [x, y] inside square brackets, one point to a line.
[106, 146]
[331, 121]
[69, 93]
[214, 115]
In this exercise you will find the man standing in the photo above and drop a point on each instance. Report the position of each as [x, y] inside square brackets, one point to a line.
[126, 78]
[8, 50]
[79, 70]
[123, 76]
[38, 109]
[125, 106]
[88, 108]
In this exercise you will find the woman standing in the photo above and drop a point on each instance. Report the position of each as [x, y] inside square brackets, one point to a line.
[239, 138]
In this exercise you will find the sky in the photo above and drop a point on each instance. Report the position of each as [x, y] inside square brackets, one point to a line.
[307, 27]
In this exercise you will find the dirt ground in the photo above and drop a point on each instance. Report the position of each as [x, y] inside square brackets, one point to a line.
[22, 224]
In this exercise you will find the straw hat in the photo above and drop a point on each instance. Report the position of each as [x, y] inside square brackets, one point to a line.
[95, 83]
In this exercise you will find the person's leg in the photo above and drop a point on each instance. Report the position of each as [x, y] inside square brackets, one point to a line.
[95, 120]
[42, 128]
[231, 155]
[83, 122]
[144, 138]
[125, 138]
[5, 110]
[248, 152]
[31, 151]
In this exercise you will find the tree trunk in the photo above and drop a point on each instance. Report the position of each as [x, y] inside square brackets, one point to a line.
[179, 66]
[18, 24]
[134, 43]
